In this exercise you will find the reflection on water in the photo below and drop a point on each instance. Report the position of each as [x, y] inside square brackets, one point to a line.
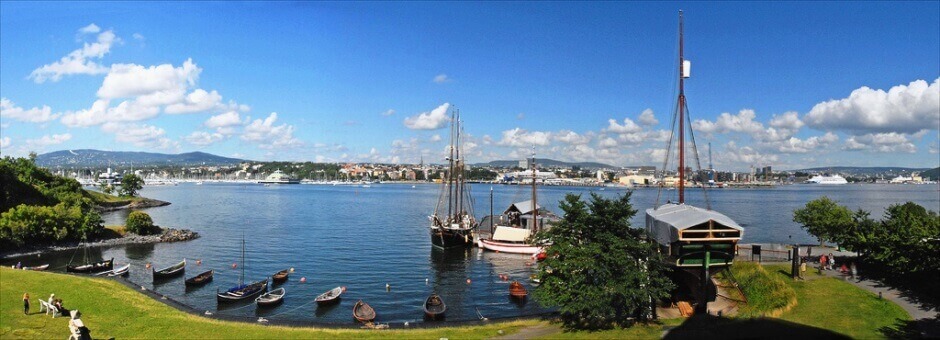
[367, 238]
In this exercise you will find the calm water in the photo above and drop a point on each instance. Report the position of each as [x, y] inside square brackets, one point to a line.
[365, 238]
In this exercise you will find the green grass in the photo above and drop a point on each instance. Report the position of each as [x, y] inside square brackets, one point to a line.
[768, 294]
[112, 310]
[834, 304]
[100, 197]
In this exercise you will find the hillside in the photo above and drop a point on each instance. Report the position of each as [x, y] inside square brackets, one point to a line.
[933, 174]
[99, 158]
[544, 162]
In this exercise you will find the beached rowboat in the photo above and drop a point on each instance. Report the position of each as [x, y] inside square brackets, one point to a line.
[171, 271]
[199, 280]
[38, 268]
[331, 296]
[363, 312]
[271, 298]
[434, 307]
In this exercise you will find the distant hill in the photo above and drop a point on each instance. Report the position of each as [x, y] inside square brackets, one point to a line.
[855, 170]
[98, 158]
[933, 174]
[549, 163]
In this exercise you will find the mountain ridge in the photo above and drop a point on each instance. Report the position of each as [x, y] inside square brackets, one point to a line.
[100, 158]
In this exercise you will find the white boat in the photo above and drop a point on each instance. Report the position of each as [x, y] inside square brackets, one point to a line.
[828, 180]
[513, 232]
[279, 177]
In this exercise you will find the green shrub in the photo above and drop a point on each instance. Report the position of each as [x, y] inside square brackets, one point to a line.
[767, 294]
[140, 223]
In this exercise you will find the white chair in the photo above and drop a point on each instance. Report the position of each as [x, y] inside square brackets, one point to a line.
[55, 311]
[43, 306]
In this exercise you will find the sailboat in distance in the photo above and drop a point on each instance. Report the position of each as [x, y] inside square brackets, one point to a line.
[693, 240]
[453, 223]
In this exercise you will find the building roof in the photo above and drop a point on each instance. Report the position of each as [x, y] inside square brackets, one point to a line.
[524, 207]
[665, 222]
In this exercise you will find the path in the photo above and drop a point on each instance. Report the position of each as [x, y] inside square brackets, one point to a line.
[925, 317]
[532, 332]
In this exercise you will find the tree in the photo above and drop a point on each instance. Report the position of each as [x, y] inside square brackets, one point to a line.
[825, 219]
[140, 223]
[600, 271]
[909, 240]
[131, 184]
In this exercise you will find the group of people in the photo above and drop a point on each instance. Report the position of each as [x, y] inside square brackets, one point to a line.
[827, 262]
[77, 328]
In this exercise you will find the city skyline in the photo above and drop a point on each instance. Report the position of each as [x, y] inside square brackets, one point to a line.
[787, 85]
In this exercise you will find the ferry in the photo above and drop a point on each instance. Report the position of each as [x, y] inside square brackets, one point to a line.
[279, 177]
[828, 180]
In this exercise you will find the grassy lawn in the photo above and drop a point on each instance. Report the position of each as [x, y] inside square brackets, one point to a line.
[112, 310]
[101, 197]
[768, 294]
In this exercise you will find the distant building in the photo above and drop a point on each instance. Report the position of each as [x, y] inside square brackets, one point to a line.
[634, 180]
[524, 164]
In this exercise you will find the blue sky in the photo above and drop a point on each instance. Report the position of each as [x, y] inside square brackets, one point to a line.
[790, 85]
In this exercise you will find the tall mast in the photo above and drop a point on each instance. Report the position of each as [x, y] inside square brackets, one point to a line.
[535, 209]
[681, 118]
[450, 173]
[459, 162]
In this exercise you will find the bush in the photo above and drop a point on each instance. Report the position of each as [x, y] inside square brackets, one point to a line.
[140, 223]
[767, 294]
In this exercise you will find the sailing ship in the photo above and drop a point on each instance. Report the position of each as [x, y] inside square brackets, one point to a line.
[693, 240]
[453, 224]
[242, 291]
[518, 224]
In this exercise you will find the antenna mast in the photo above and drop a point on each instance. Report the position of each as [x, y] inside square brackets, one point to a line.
[681, 118]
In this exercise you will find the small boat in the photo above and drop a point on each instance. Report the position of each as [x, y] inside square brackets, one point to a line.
[363, 312]
[331, 296]
[171, 271]
[122, 271]
[517, 290]
[199, 280]
[280, 277]
[243, 292]
[434, 307]
[271, 298]
[37, 268]
[96, 267]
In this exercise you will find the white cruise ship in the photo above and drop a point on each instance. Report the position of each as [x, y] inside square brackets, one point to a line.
[831, 179]
[279, 177]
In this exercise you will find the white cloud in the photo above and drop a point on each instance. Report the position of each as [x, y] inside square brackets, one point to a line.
[90, 29]
[442, 78]
[203, 138]
[903, 108]
[34, 115]
[647, 118]
[77, 62]
[628, 126]
[520, 116]
[788, 120]
[270, 136]
[224, 122]
[726, 122]
[812, 144]
[48, 140]
[131, 80]
[138, 37]
[571, 137]
[745, 155]
[388, 112]
[607, 142]
[100, 113]
[521, 138]
[435, 138]
[890, 142]
[197, 101]
[433, 120]
[140, 135]
[5, 142]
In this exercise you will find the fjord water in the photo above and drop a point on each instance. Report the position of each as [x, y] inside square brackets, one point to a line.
[365, 238]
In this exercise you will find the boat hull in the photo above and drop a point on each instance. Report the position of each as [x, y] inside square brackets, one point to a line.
[96, 267]
[258, 288]
[512, 248]
[444, 238]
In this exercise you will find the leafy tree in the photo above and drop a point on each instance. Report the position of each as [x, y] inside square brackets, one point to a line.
[600, 271]
[908, 240]
[825, 219]
[131, 184]
[140, 223]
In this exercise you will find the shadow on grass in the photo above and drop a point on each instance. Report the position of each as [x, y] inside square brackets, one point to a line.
[713, 327]
[912, 329]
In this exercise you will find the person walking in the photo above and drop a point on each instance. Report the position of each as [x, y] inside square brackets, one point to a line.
[832, 261]
[853, 269]
[26, 303]
[823, 260]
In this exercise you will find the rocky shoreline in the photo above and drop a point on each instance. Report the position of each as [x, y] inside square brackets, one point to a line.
[167, 236]
[141, 203]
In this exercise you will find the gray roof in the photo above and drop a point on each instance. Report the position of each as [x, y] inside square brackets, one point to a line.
[524, 207]
[666, 221]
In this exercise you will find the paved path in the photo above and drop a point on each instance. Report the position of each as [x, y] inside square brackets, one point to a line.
[925, 316]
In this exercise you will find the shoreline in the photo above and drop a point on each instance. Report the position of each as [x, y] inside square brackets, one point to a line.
[168, 235]
[140, 203]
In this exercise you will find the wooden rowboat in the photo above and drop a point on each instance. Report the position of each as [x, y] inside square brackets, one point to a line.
[517, 290]
[199, 280]
[271, 298]
[37, 268]
[171, 271]
[331, 296]
[122, 271]
[363, 312]
[280, 277]
[96, 267]
[243, 292]
[434, 307]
